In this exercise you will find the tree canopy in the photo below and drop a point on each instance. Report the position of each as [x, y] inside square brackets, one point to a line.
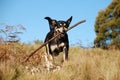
[107, 26]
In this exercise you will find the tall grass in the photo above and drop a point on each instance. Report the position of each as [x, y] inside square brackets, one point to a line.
[83, 64]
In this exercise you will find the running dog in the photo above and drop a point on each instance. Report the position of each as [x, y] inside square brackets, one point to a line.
[61, 43]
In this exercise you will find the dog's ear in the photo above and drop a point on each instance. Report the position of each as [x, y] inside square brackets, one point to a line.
[52, 23]
[69, 21]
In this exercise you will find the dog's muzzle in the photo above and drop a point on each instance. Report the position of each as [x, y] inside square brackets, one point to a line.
[61, 29]
[57, 31]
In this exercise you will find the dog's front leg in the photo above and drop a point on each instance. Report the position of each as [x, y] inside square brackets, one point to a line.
[50, 57]
[65, 55]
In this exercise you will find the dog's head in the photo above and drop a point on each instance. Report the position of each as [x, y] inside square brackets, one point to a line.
[62, 26]
[59, 26]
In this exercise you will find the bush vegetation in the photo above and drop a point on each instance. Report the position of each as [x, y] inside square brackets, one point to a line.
[83, 64]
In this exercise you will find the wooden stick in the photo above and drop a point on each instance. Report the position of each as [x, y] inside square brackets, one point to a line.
[31, 54]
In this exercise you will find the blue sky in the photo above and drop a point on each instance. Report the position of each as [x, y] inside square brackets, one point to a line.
[31, 13]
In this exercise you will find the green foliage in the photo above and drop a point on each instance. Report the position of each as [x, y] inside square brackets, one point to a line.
[107, 26]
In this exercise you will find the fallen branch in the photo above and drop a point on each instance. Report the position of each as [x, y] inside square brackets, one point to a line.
[31, 54]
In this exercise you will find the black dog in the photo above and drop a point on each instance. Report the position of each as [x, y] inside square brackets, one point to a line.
[61, 43]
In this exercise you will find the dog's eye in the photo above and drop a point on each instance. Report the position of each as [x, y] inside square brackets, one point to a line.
[64, 24]
[60, 24]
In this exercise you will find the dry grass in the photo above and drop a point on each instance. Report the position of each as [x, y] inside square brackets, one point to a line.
[92, 64]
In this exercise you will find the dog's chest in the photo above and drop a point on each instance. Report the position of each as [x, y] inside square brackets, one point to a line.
[57, 47]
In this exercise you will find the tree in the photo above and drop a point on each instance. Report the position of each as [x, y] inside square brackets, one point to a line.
[107, 26]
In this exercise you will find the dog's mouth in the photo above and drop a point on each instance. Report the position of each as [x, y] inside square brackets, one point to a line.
[58, 30]
[60, 36]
